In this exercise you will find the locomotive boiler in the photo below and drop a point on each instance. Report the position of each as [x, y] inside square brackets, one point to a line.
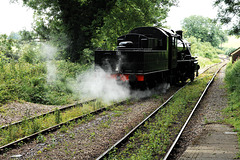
[149, 55]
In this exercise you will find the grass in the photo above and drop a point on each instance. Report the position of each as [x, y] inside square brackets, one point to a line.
[204, 62]
[152, 140]
[232, 112]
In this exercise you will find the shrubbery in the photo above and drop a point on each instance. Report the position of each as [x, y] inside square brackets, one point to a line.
[232, 112]
[24, 72]
[25, 81]
[232, 79]
[203, 49]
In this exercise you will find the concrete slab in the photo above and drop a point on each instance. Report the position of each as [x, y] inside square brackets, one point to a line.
[213, 144]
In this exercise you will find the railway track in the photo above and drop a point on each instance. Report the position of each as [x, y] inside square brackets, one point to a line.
[31, 137]
[50, 129]
[124, 140]
[191, 114]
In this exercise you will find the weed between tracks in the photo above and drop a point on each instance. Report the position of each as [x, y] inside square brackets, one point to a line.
[28, 127]
[152, 140]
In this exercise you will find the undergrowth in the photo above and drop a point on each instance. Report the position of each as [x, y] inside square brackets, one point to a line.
[20, 80]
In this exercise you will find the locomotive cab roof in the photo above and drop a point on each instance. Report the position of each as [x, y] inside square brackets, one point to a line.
[154, 32]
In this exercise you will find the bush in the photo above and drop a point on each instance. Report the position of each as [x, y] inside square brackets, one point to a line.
[204, 49]
[24, 81]
[232, 79]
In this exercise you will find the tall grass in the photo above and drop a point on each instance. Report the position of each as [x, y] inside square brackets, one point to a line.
[232, 112]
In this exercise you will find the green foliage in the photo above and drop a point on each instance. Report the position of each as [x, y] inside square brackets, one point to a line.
[25, 81]
[232, 112]
[232, 79]
[128, 14]
[30, 54]
[8, 48]
[204, 29]
[229, 13]
[75, 24]
[40, 138]
[71, 24]
[204, 62]
[204, 49]
[228, 51]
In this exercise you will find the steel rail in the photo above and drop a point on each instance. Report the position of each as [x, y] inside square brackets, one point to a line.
[190, 116]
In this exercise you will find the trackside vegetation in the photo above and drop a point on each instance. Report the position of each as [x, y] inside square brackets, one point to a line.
[23, 81]
[232, 112]
[151, 140]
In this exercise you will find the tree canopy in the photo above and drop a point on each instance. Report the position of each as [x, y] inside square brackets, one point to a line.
[80, 24]
[128, 14]
[204, 29]
[229, 13]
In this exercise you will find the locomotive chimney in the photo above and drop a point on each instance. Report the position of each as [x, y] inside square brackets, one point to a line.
[179, 32]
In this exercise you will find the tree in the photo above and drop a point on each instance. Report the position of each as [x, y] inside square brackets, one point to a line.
[71, 23]
[128, 14]
[204, 29]
[74, 23]
[229, 13]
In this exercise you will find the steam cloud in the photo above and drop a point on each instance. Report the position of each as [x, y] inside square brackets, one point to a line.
[96, 83]
[49, 52]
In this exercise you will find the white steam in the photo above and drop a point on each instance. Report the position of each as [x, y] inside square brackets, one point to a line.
[49, 52]
[96, 83]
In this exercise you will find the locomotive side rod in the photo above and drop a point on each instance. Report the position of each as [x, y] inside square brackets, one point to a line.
[190, 116]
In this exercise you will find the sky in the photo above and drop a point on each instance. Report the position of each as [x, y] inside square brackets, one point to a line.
[187, 8]
[15, 17]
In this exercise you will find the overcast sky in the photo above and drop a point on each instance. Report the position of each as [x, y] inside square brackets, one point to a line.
[15, 17]
[187, 8]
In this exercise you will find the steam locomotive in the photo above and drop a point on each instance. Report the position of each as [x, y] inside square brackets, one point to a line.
[149, 55]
